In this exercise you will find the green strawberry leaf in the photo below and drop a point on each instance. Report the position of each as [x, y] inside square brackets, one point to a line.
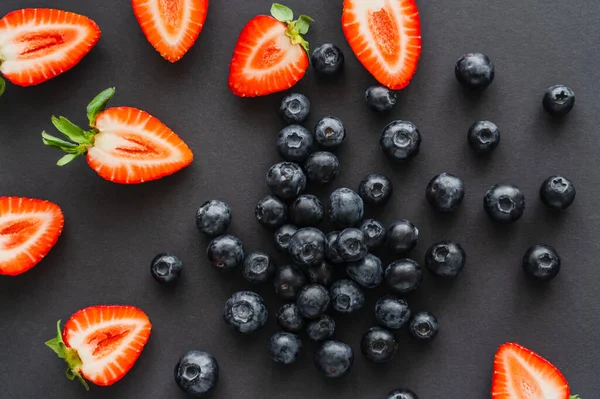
[575, 397]
[2, 86]
[72, 131]
[56, 343]
[57, 143]
[282, 13]
[98, 104]
[70, 355]
[302, 25]
[67, 159]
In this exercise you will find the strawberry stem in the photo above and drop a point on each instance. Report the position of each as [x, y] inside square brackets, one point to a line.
[70, 356]
[295, 29]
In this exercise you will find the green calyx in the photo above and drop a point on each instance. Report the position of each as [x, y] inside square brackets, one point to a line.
[296, 28]
[2, 86]
[70, 356]
[574, 397]
[79, 140]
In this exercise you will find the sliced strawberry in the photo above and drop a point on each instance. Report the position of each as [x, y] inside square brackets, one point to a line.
[102, 343]
[385, 36]
[29, 228]
[37, 44]
[171, 26]
[270, 54]
[125, 145]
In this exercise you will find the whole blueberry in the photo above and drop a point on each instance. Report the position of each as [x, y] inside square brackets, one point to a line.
[346, 296]
[402, 237]
[288, 281]
[400, 140]
[445, 192]
[283, 236]
[504, 203]
[392, 312]
[346, 208]
[541, 262]
[557, 192]
[474, 71]
[294, 143]
[379, 345]
[351, 245]
[321, 328]
[366, 272]
[375, 189]
[403, 276]
[322, 274]
[289, 318]
[313, 300]
[331, 253]
[213, 218]
[322, 167]
[445, 259]
[558, 100]
[307, 247]
[271, 212]
[306, 210]
[285, 347]
[483, 137]
[423, 326]
[225, 252]
[380, 99]
[375, 233]
[330, 132]
[197, 373]
[334, 359]
[286, 180]
[165, 268]
[245, 311]
[258, 267]
[294, 108]
[402, 394]
[327, 60]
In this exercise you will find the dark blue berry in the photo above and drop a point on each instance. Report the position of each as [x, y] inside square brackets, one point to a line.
[380, 98]
[313, 300]
[288, 281]
[294, 108]
[504, 203]
[402, 394]
[366, 272]
[322, 167]
[375, 189]
[286, 180]
[331, 253]
[445, 192]
[423, 326]
[557, 192]
[483, 137]
[334, 359]
[375, 233]
[474, 71]
[392, 312]
[403, 276]
[271, 212]
[283, 236]
[330, 132]
[327, 60]
[289, 318]
[322, 274]
[245, 311]
[197, 373]
[306, 210]
[285, 347]
[346, 296]
[541, 262]
[379, 345]
[258, 267]
[321, 329]
[225, 252]
[307, 247]
[351, 245]
[165, 268]
[346, 208]
[400, 140]
[402, 237]
[445, 259]
[213, 218]
[294, 143]
[559, 100]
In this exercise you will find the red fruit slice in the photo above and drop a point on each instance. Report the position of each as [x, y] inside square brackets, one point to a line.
[29, 228]
[171, 26]
[38, 44]
[385, 36]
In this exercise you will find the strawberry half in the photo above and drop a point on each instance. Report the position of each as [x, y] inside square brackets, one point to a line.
[385, 36]
[37, 44]
[270, 54]
[101, 343]
[29, 228]
[124, 145]
[171, 26]
[522, 374]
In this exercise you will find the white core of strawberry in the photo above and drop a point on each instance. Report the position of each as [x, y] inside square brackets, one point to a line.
[292, 53]
[546, 383]
[44, 222]
[172, 39]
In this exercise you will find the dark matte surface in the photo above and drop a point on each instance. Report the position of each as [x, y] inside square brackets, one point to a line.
[112, 232]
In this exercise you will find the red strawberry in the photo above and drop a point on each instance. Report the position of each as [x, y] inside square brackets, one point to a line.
[171, 26]
[37, 44]
[385, 36]
[521, 374]
[124, 145]
[29, 228]
[270, 54]
[101, 343]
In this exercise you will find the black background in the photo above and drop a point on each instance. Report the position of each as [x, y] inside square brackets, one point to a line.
[112, 232]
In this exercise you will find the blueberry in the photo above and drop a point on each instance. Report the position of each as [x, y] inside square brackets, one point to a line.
[313, 300]
[351, 245]
[294, 143]
[271, 212]
[327, 60]
[285, 347]
[307, 247]
[366, 272]
[557, 192]
[474, 71]
[346, 296]
[375, 189]
[225, 252]
[402, 394]
[322, 167]
[294, 108]
[258, 267]
[558, 100]
[379, 345]
[346, 208]
[402, 237]
[330, 132]
[321, 329]
[331, 253]
[392, 312]
[283, 236]
[504, 203]
[445, 192]
[165, 268]
[541, 262]
[403, 276]
[423, 326]
[374, 232]
[306, 210]
[334, 359]
[445, 259]
[286, 180]
[288, 281]
[380, 98]
[289, 318]
[213, 218]
[196, 373]
[245, 311]
[483, 137]
[322, 274]
[400, 140]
